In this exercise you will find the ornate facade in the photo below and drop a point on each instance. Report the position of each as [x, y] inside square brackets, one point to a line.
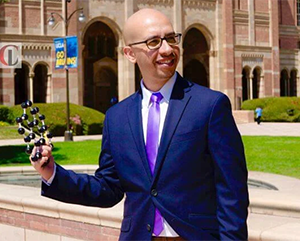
[244, 48]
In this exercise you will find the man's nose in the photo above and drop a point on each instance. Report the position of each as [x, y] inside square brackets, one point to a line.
[165, 48]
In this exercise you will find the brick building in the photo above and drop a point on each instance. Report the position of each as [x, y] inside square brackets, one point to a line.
[244, 48]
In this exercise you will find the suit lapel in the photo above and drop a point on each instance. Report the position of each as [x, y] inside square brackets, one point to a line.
[136, 126]
[178, 101]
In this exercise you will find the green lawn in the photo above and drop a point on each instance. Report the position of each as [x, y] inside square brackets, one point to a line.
[65, 153]
[280, 155]
[9, 132]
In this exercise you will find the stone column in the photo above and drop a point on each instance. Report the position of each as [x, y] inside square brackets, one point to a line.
[63, 14]
[228, 51]
[126, 81]
[250, 87]
[218, 71]
[177, 22]
[20, 18]
[30, 94]
[251, 23]
[49, 91]
[261, 87]
[129, 6]
[42, 18]
[274, 36]
[212, 70]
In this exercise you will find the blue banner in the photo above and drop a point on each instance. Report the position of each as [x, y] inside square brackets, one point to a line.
[72, 51]
[59, 53]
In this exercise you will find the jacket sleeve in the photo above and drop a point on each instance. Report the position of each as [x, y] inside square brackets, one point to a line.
[100, 190]
[227, 151]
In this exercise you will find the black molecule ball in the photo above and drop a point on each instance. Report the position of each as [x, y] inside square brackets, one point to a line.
[24, 116]
[23, 105]
[32, 136]
[35, 122]
[31, 124]
[42, 117]
[33, 111]
[28, 103]
[27, 139]
[42, 141]
[28, 150]
[19, 120]
[21, 130]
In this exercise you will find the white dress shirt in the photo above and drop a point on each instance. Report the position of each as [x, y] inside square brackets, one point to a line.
[166, 92]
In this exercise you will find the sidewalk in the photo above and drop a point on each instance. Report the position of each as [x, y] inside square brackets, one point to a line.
[54, 139]
[269, 129]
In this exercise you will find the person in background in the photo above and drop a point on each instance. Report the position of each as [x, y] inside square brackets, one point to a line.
[258, 112]
[172, 148]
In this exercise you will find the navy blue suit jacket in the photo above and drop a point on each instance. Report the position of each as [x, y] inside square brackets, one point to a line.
[200, 178]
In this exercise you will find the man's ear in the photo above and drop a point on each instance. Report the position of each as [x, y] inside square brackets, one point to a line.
[129, 54]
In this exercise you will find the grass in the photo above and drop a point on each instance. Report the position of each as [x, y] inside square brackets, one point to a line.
[65, 153]
[279, 155]
[9, 132]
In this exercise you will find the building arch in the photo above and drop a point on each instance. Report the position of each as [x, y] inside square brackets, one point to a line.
[284, 82]
[256, 82]
[41, 62]
[109, 22]
[246, 83]
[99, 54]
[196, 58]
[40, 82]
[206, 33]
[22, 83]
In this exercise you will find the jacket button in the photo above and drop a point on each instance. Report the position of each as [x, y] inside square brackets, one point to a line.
[154, 192]
[149, 227]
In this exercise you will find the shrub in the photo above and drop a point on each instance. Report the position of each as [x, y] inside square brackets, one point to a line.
[276, 109]
[3, 123]
[83, 120]
[4, 111]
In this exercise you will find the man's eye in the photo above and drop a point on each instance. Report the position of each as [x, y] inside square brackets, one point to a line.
[153, 42]
[171, 39]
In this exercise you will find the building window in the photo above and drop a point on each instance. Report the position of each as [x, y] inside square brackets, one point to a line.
[298, 12]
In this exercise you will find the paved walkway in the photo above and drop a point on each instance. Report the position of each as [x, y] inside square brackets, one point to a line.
[270, 129]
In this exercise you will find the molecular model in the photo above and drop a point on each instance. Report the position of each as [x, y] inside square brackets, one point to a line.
[32, 131]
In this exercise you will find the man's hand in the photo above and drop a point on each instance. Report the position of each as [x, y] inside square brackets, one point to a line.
[45, 165]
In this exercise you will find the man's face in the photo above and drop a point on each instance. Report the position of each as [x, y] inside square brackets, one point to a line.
[158, 65]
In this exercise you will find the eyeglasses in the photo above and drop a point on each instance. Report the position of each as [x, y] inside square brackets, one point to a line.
[155, 43]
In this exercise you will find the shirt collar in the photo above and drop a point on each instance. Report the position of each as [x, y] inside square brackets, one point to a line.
[166, 91]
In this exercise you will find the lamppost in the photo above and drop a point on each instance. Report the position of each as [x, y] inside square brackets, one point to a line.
[66, 19]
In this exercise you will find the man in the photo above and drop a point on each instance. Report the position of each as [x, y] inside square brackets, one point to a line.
[258, 112]
[173, 148]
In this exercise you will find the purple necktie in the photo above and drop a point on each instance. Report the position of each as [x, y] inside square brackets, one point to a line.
[152, 148]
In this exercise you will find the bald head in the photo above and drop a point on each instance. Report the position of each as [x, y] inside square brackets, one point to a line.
[140, 21]
[157, 65]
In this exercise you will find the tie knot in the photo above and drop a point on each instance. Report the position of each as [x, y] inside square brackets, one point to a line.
[156, 97]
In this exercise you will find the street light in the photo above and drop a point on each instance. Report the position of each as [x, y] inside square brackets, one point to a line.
[66, 20]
